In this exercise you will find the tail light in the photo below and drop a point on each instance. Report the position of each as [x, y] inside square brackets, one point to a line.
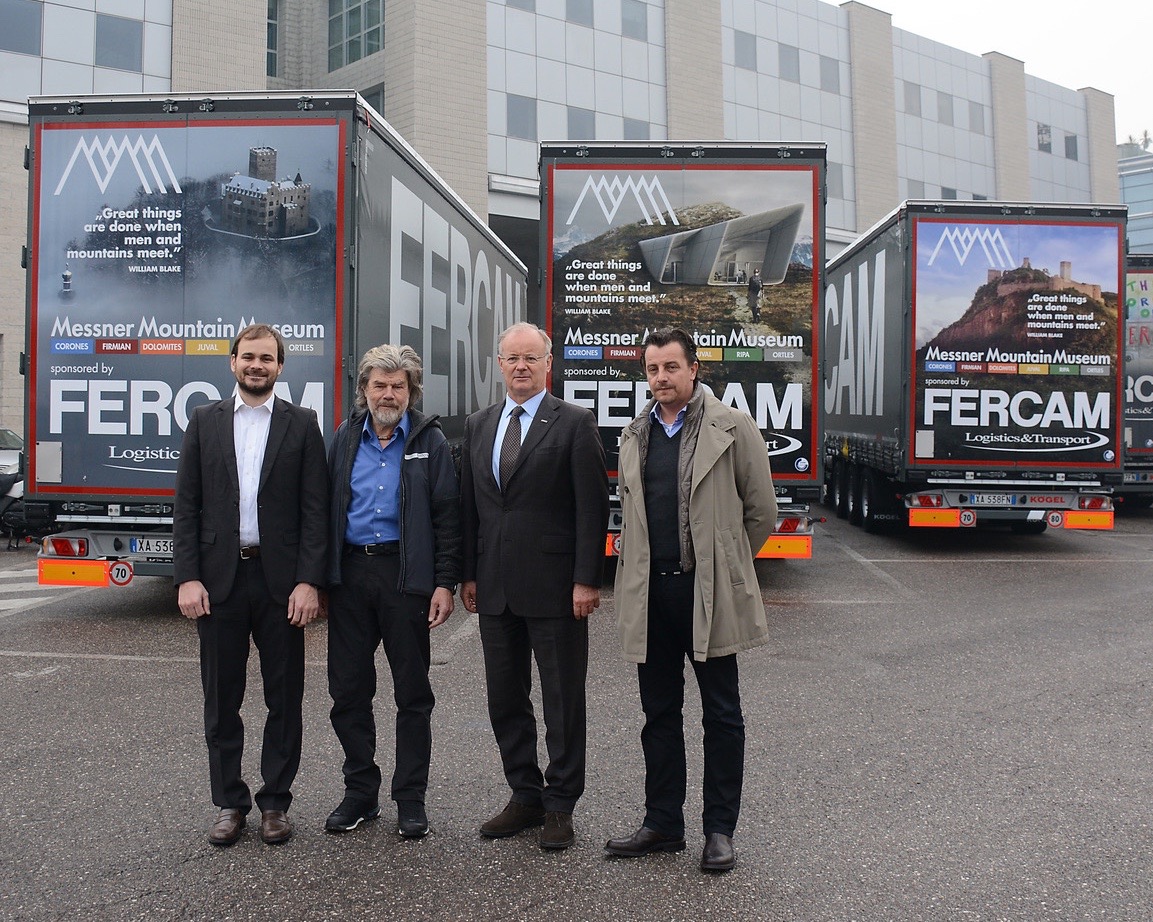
[66, 547]
[1093, 502]
[929, 500]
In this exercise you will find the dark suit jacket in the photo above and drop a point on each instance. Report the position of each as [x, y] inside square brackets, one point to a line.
[527, 546]
[292, 502]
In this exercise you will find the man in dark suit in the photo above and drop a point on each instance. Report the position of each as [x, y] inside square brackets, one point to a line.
[250, 532]
[534, 512]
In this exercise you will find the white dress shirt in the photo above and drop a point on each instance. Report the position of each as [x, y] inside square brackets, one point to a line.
[250, 433]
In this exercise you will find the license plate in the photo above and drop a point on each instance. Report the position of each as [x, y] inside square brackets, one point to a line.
[152, 546]
[990, 499]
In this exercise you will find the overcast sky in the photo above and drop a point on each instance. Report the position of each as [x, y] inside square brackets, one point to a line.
[1075, 43]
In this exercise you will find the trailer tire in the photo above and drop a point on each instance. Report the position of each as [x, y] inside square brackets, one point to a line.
[872, 501]
[856, 484]
[841, 488]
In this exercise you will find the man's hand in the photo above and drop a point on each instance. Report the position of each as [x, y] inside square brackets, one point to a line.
[468, 595]
[440, 607]
[192, 598]
[585, 600]
[303, 605]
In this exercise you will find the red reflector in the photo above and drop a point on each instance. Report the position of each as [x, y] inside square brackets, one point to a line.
[932, 500]
[66, 547]
[787, 526]
[1092, 502]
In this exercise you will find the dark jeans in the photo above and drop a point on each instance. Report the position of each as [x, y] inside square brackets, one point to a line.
[250, 611]
[662, 687]
[364, 612]
[560, 646]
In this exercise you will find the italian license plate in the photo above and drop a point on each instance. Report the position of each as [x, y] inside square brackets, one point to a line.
[990, 499]
[160, 546]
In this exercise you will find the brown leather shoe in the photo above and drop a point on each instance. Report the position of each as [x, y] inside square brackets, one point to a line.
[644, 841]
[275, 827]
[512, 819]
[719, 854]
[558, 832]
[227, 828]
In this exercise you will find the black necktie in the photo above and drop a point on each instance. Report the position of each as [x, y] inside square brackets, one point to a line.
[510, 447]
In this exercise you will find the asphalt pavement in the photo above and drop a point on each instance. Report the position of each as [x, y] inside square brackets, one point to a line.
[946, 725]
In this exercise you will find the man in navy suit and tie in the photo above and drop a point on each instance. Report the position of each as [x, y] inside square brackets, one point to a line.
[250, 531]
[534, 495]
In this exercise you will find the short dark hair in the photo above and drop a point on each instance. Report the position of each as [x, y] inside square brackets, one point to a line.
[668, 335]
[259, 331]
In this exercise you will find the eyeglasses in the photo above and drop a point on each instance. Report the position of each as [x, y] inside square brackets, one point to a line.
[529, 360]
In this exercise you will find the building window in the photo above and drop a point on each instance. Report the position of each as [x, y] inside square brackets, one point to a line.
[744, 50]
[944, 108]
[355, 30]
[582, 124]
[580, 12]
[789, 62]
[273, 15]
[948, 193]
[375, 98]
[836, 180]
[635, 20]
[912, 98]
[1070, 147]
[1044, 138]
[978, 197]
[521, 117]
[529, 5]
[119, 43]
[916, 188]
[976, 117]
[636, 129]
[830, 74]
[23, 24]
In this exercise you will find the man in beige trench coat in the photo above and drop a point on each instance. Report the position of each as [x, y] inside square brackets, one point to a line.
[698, 503]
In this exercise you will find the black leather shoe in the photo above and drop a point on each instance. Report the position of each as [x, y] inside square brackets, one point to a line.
[351, 813]
[644, 841]
[512, 819]
[411, 820]
[227, 827]
[719, 854]
[558, 831]
[275, 827]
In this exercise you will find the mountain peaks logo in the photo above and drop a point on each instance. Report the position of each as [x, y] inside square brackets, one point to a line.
[147, 158]
[962, 240]
[610, 193]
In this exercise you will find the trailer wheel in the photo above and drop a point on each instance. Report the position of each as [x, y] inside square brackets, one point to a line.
[841, 488]
[872, 501]
[856, 482]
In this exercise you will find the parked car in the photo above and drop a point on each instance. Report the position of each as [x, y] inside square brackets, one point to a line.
[11, 452]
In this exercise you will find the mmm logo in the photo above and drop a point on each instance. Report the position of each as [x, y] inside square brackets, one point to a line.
[963, 239]
[104, 157]
[610, 193]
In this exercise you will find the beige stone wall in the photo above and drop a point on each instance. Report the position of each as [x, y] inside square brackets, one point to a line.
[1104, 183]
[13, 236]
[1011, 143]
[694, 87]
[218, 46]
[874, 113]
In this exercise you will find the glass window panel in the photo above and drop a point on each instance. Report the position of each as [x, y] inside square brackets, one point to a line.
[744, 50]
[335, 7]
[119, 42]
[1071, 147]
[912, 98]
[371, 41]
[272, 36]
[948, 193]
[976, 117]
[270, 64]
[335, 30]
[978, 197]
[371, 14]
[521, 117]
[916, 188]
[529, 5]
[789, 60]
[944, 108]
[335, 57]
[830, 74]
[582, 124]
[836, 180]
[579, 11]
[352, 49]
[636, 130]
[352, 21]
[1044, 138]
[635, 20]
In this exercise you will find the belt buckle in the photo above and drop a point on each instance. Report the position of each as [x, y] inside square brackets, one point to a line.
[250, 552]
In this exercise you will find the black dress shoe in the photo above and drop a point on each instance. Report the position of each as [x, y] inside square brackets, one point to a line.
[411, 820]
[512, 819]
[351, 813]
[644, 841]
[227, 827]
[718, 854]
[558, 831]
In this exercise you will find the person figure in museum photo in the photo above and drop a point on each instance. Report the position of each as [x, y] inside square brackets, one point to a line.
[250, 538]
[698, 504]
[755, 286]
[394, 566]
[534, 500]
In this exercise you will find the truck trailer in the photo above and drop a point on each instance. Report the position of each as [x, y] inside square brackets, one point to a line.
[971, 367]
[1136, 490]
[723, 239]
[160, 226]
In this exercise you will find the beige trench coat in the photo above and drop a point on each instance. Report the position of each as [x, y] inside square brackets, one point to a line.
[732, 512]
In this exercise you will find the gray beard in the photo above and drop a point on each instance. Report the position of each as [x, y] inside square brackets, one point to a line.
[386, 417]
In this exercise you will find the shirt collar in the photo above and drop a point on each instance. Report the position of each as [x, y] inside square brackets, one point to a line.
[655, 414]
[368, 431]
[238, 403]
[530, 406]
